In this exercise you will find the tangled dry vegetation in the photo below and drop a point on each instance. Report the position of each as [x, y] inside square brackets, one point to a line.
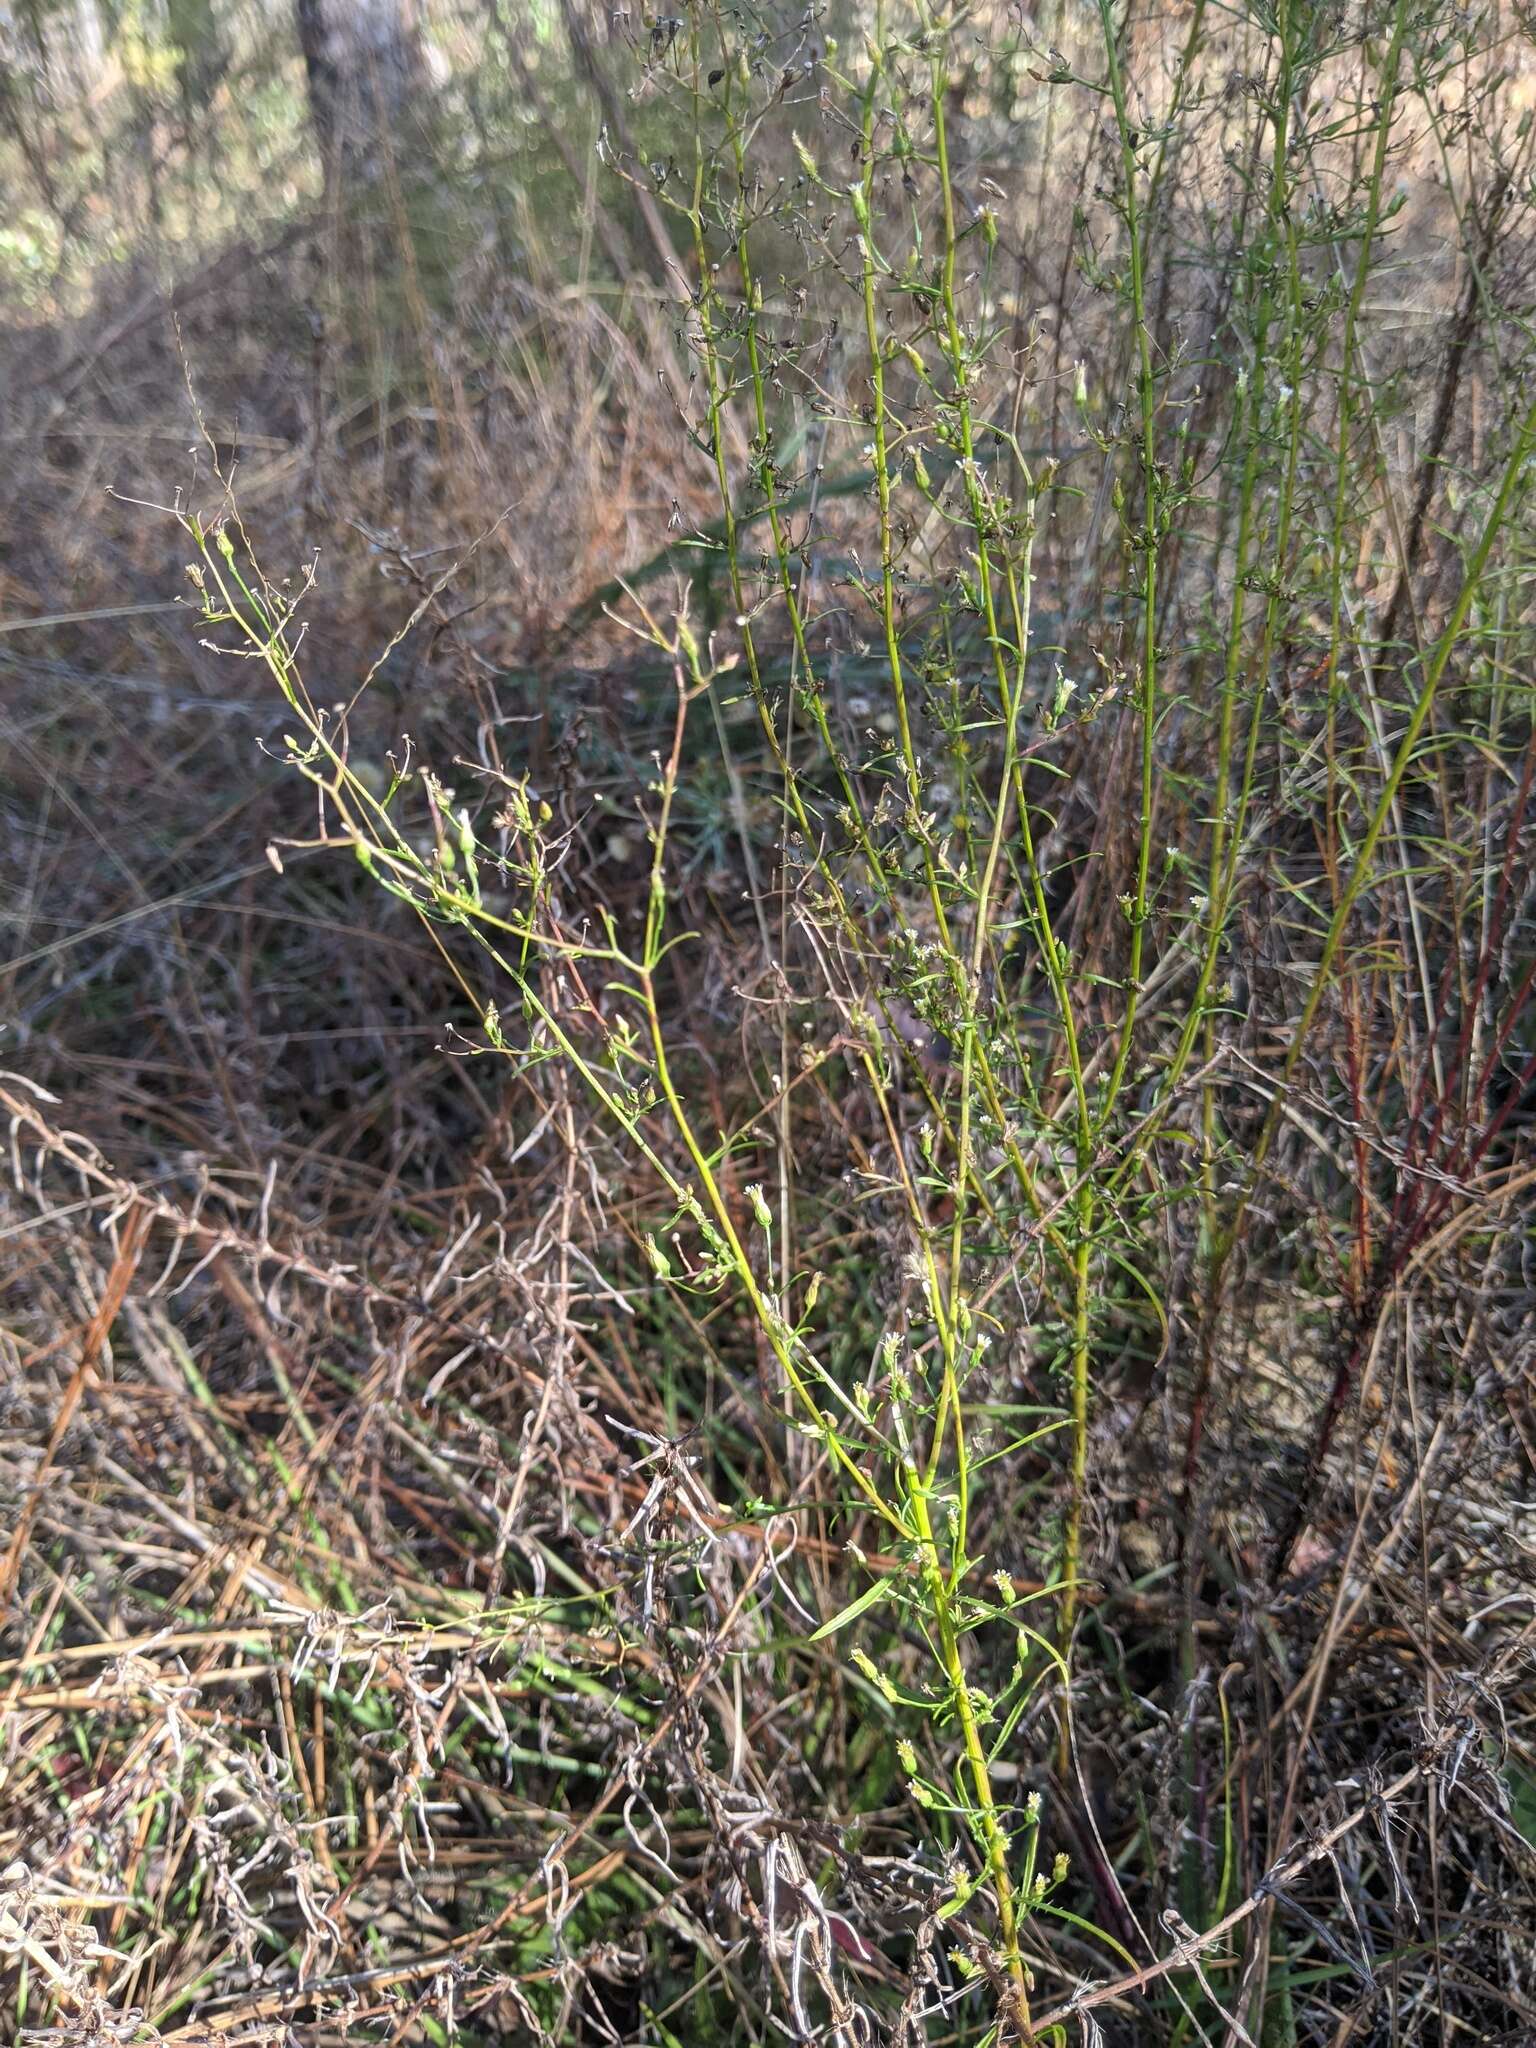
[768, 1077]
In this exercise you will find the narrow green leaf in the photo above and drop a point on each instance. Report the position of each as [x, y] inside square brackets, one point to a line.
[870, 1597]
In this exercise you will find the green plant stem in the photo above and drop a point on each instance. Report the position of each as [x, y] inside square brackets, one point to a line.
[1147, 546]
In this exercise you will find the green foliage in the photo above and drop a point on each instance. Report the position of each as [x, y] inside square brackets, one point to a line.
[1082, 1101]
[1088, 806]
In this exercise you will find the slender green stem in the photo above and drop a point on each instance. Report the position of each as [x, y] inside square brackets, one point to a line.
[1146, 545]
